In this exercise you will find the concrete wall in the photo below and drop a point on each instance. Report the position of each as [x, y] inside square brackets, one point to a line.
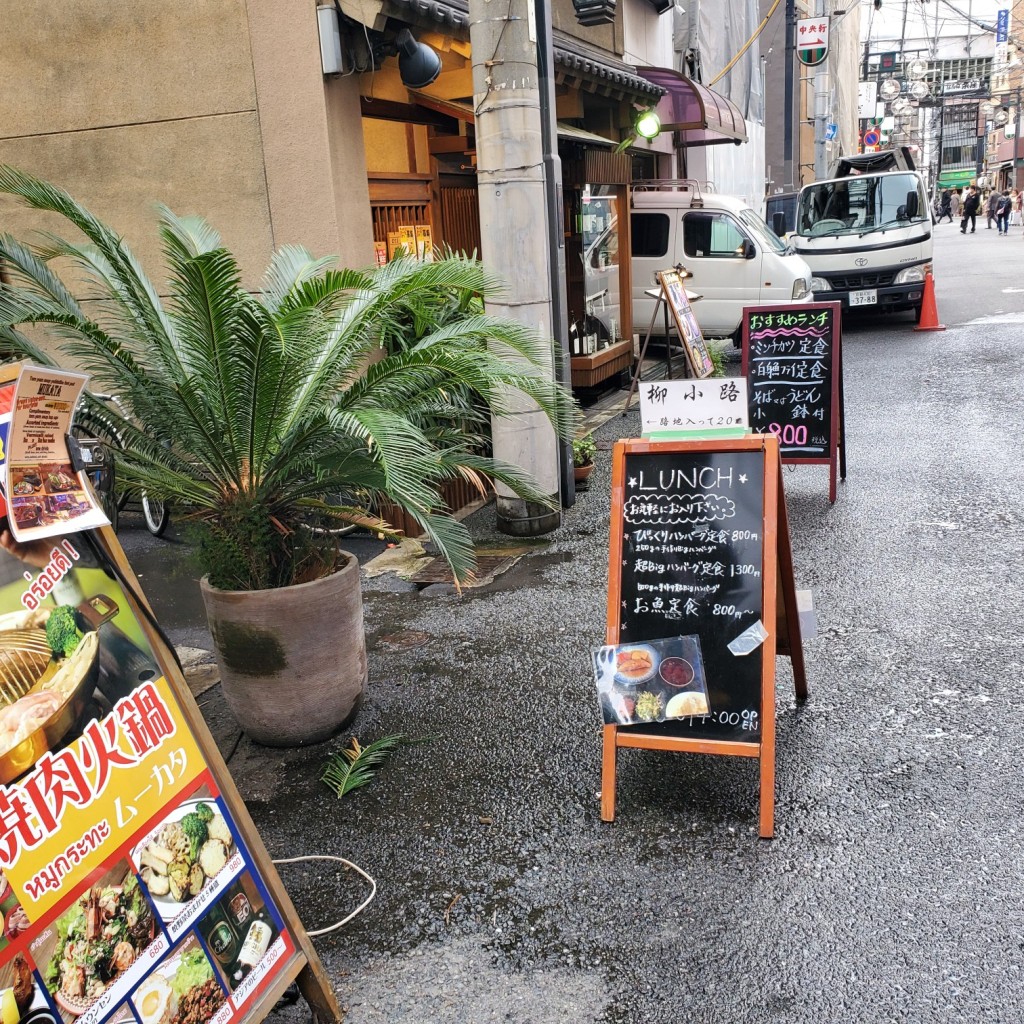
[213, 108]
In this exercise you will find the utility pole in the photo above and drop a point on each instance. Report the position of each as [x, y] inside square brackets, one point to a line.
[791, 131]
[1016, 139]
[510, 178]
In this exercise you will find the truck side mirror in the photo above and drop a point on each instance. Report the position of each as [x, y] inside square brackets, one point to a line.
[779, 223]
[748, 250]
[912, 208]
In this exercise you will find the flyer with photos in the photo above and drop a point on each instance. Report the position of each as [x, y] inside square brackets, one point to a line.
[652, 681]
[45, 494]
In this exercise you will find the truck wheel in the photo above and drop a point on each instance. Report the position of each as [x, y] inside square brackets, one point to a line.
[917, 312]
[737, 337]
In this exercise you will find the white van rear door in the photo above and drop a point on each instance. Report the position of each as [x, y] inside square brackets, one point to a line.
[653, 248]
[713, 250]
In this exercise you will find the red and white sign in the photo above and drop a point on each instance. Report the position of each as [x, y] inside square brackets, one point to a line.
[812, 40]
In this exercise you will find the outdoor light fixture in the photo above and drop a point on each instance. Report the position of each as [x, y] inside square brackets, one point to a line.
[647, 124]
[418, 64]
[595, 12]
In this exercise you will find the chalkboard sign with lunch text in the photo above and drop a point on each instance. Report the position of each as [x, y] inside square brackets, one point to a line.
[700, 547]
[792, 359]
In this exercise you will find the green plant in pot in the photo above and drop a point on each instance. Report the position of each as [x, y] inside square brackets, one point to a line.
[268, 418]
[584, 449]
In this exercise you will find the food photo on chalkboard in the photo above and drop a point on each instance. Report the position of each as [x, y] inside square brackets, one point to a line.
[651, 682]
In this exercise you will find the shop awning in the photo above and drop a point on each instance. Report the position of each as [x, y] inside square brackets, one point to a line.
[702, 117]
[957, 178]
[464, 112]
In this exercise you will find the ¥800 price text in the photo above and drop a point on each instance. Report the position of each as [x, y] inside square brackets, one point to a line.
[789, 434]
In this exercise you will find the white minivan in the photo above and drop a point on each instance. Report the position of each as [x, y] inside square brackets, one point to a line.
[736, 260]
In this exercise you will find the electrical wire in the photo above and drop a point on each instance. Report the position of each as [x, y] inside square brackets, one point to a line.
[746, 46]
[341, 860]
[490, 61]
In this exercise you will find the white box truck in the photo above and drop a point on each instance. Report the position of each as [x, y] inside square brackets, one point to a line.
[866, 233]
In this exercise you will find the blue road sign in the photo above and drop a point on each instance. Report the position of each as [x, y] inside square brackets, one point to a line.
[1002, 25]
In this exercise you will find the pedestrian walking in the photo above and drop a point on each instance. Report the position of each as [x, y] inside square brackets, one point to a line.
[990, 207]
[955, 204]
[1004, 206]
[972, 201]
[1015, 214]
[946, 206]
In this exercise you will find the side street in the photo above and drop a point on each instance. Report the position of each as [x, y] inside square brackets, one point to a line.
[890, 890]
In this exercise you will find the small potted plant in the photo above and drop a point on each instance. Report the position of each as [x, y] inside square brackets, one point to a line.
[583, 451]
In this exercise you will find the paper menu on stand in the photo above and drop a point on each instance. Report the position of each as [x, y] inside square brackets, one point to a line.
[46, 496]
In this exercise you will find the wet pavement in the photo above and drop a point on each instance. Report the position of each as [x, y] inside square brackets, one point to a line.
[893, 889]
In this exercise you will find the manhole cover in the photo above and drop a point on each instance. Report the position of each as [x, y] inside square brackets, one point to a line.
[437, 570]
[406, 638]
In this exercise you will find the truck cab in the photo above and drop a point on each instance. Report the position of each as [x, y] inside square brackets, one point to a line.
[866, 233]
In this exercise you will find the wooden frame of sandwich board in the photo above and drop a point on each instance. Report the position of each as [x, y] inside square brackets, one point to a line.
[303, 966]
[779, 615]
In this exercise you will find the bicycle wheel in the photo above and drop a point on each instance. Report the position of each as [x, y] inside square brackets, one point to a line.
[156, 513]
[111, 507]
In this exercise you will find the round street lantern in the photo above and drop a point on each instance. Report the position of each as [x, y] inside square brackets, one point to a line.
[889, 89]
[647, 124]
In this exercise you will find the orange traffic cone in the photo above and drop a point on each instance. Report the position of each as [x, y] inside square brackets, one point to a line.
[929, 320]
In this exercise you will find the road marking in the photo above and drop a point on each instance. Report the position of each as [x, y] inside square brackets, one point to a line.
[1012, 291]
[997, 318]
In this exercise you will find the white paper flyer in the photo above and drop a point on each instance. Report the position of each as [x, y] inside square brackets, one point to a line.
[46, 496]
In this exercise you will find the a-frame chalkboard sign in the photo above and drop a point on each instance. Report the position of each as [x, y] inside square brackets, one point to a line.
[700, 546]
[793, 362]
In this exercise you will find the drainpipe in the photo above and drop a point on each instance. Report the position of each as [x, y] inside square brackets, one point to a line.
[556, 235]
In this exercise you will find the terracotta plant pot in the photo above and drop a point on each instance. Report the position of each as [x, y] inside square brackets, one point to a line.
[292, 660]
[580, 473]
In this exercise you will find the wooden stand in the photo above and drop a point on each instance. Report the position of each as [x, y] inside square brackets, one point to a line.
[660, 303]
[780, 618]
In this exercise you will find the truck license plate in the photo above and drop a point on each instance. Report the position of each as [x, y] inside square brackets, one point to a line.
[867, 297]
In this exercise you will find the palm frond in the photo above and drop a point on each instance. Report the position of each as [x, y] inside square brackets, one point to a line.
[185, 237]
[354, 766]
[27, 268]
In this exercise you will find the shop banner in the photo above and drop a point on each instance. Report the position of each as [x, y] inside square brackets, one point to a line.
[47, 496]
[128, 894]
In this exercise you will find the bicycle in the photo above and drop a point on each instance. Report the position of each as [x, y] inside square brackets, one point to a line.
[90, 426]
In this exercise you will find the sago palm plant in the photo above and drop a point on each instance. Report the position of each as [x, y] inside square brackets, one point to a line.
[251, 412]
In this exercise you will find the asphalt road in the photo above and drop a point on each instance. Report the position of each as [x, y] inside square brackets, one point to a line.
[894, 889]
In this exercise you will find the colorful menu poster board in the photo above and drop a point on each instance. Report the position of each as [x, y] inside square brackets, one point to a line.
[700, 546]
[792, 359]
[134, 887]
[696, 349]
